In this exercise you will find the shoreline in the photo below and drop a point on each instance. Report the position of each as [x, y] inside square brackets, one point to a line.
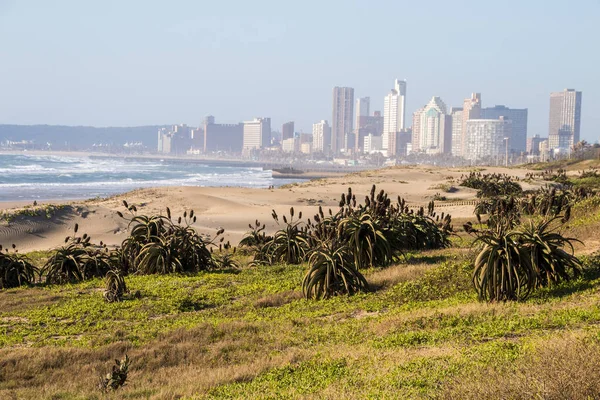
[231, 208]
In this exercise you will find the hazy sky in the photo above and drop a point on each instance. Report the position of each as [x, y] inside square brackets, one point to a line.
[118, 63]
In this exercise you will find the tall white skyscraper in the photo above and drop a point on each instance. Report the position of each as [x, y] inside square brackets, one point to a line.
[394, 112]
[457, 124]
[434, 134]
[321, 136]
[342, 118]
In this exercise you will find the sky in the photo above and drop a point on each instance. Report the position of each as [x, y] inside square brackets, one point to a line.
[144, 62]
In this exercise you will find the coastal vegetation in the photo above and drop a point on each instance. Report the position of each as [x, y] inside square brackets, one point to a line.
[408, 306]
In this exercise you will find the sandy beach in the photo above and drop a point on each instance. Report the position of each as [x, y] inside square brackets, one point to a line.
[230, 208]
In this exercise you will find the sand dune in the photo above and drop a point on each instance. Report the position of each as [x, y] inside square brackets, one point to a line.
[234, 208]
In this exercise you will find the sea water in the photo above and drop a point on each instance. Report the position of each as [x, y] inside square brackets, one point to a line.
[52, 177]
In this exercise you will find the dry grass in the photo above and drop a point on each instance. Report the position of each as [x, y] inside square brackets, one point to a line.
[278, 299]
[388, 277]
[565, 369]
[181, 363]
[21, 300]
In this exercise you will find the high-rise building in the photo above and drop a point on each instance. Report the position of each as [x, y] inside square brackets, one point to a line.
[362, 109]
[416, 131]
[457, 122]
[372, 144]
[177, 140]
[287, 130]
[488, 140]
[435, 128]
[533, 145]
[565, 120]
[342, 118]
[370, 124]
[394, 106]
[518, 139]
[544, 150]
[471, 110]
[321, 136]
[399, 143]
[222, 137]
[257, 134]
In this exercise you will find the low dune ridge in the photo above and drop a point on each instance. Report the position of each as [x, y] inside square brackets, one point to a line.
[233, 208]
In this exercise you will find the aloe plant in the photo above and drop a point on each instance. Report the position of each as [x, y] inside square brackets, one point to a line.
[76, 261]
[115, 287]
[159, 245]
[503, 268]
[15, 269]
[546, 247]
[289, 244]
[332, 272]
[367, 240]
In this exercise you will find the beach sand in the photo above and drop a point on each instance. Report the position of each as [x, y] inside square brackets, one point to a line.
[233, 208]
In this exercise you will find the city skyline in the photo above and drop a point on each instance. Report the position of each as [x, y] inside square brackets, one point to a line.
[75, 63]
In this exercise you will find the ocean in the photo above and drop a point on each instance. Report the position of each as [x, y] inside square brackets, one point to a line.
[51, 177]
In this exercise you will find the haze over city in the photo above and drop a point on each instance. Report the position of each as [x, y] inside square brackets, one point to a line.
[151, 63]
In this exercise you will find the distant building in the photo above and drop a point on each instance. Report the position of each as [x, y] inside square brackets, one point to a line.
[222, 137]
[471, 110]
[457, 122]
[177, 140]
[487, 139]
[399, 144]
[306, 148]
[565, 120]
[342, 118]
[164, 140]
[518, 139]
[287, 130]
[394, 112]
[363, 104]
[416, 131]
[533, 145]
[435, 128]
[290, 145]
[256, 134]
[370, 124]
[544, 150]
[372, 144]
[321, 136]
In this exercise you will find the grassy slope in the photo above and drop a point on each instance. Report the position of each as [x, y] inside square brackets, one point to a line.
[249, 334]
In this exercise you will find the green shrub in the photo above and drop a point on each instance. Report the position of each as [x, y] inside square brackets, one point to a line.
[15, 269]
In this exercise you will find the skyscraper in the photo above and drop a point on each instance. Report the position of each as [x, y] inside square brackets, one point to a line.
[487, 139]
[321, 136]
[416, 130]
[362, 109]
[518, 138]
[394, 112]
[533, 145]
[343, 113]
[457, 122]
[471, 110]
[287, 130]
[565, 120]
[435, 128]
[257, 133]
